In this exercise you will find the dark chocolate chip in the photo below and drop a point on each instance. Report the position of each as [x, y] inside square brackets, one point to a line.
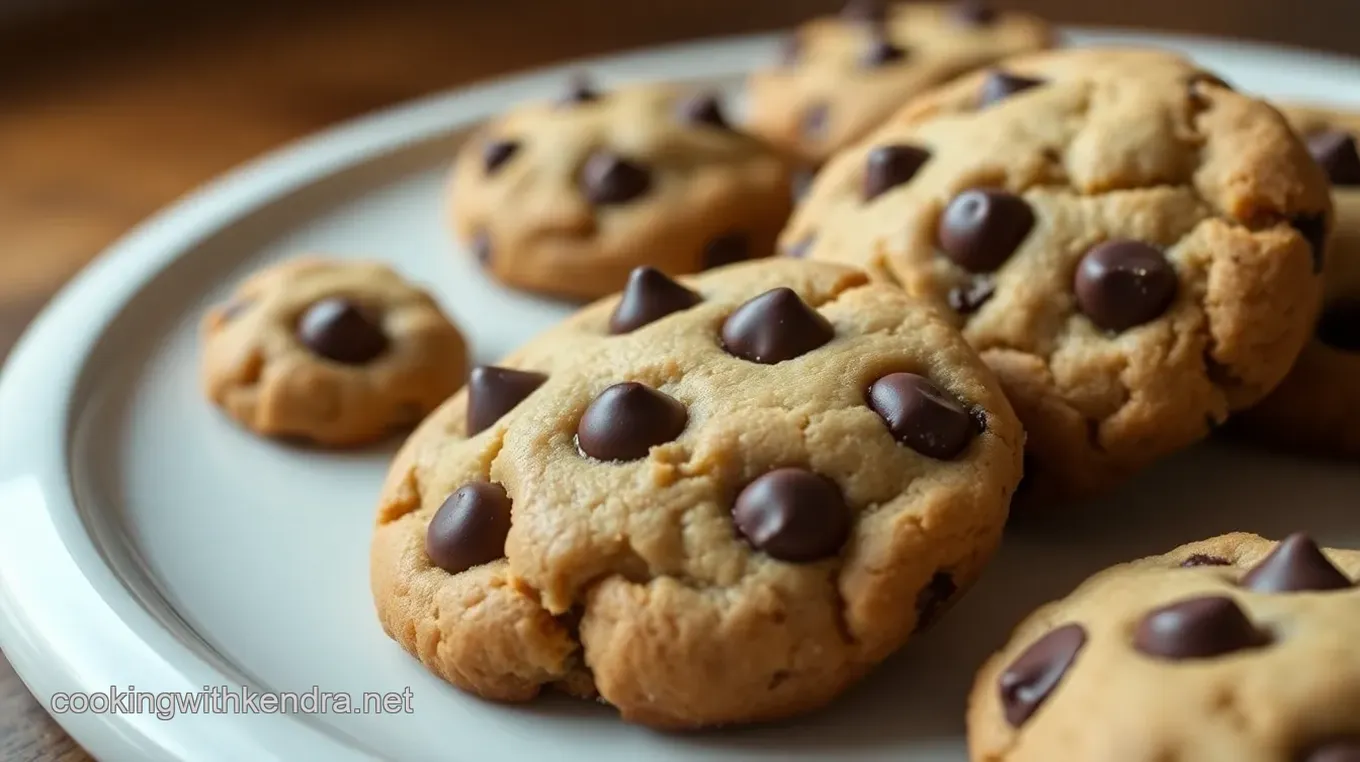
[341, 330]
[1313, 228]
[968, 299]
[793, 515]
[1339, 327]
[1297, 564]
[815, 121]
[703, 108]
[650, 295]
[1122, 284]
[1198, 628]
[1035, 674]
[800, 248]
[496, 152]
[1001, 85]
[492, 392]
[469, 529]
[974, 13]
[481, 247]
[610, 179]
[1202, 559]
[726, 250]
[627, 420]
[922, 416]
[881, 51]
[774, 327]
[1334, 151]
[580, 89]
[1336, 751]
[933, 598]
[982, 228]
[890, 166]
[865, 11]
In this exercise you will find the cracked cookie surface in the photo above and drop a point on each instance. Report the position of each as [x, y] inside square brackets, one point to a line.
[567, 197]
[335, 352]
[1130, 245]
[715, 501]
[843, 76]
[1234, 648]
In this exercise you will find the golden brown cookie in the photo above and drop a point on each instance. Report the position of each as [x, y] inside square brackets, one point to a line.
[335, 352]
[1132, 247]
[567, 197]
[843, 76]
[713, 501]
[1236, 649]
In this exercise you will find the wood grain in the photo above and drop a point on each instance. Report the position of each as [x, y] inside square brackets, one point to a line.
[109, 114]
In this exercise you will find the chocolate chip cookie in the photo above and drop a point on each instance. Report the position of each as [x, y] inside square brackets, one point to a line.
[715, 500]
[843, 76]
[1134, 248]
[1317, 408]
[567, 197]
[1235, 648]
[334, 352]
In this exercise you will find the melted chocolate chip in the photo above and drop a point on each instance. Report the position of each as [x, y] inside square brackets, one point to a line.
[610, 179]
[627, 420]
[492, 392]
[982, 228]
[496, 152]
[481, 247]
[1001, 85]
[649, 296]
[1339, 327]
[968, 299]
[1122, 284]
[793, 515]
[1198, 628]
[704, 109]
[974, 13]
[933, 598]
[815, 121]
[469, 529]
[922, 416]
[1297, 564]
[579, 90]
[1344, 750]
[890, 166]
[1035, 674]
[774, 327]
[881, 51]
[1313, 228]
[341, 330]
[1201, 559]
[1335, 152]
[726, 250]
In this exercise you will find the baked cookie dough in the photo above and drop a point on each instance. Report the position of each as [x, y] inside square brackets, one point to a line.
[566, 198]
[1235, 648]
[843, 76]
[1317, 408]
[335, 352]
[713, 501]
[1134, 248]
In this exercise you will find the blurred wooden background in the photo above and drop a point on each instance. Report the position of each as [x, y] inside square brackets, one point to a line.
[110, 110]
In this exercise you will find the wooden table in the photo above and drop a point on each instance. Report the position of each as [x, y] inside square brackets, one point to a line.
[105, 116]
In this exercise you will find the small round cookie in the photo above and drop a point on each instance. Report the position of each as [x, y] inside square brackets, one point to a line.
[713, 501]
[566, 198]
[335, 352]
[1236, 648]
[1317, 408]
[1133, 247]
[843, 76]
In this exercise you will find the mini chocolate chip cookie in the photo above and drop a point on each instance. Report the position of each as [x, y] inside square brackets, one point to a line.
[334, 352]
[566, 198]
[1317, 408]
[1134, 248]
[1235, 648]
[717, 500]
[842, 77]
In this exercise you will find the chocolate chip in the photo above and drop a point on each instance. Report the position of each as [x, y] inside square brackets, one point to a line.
[881, 51]
[1201, 559]
[1001, 85]
[610, 179]
[1313, 228]
[968, 299]
[815, 121]
[1035, 674]
[341, 330]
[793, 515]
[1339, 327]
[1336, 751]
[890, 166]
[774, 327]
[982, 228]
[579, 90]
[1297, 564]
[800, 248]
[649, 296]
[930, 602]
[703, 108]
[496, 152]
[1334, 151]
[865, 11]
[1121, 284]
[1198, 628]
[469, 529]
[481, 247]
[627, 420]
[492, 392]
[974, 13]
[922, 416]
[726, 250]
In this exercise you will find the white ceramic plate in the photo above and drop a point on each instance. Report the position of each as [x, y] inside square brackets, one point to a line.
[146, 541]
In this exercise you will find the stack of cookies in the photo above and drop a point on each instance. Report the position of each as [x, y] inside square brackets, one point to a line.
[786, 439]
